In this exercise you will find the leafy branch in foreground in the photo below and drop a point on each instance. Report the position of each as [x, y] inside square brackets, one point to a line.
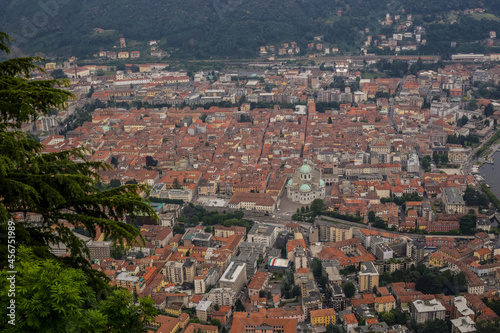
[47, 194]
[54, 298]
[21, 99]
[59, 187]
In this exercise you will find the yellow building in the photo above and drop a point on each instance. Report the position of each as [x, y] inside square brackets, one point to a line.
[385, 303]
[50, 65]
[173, 310]
[483, 254]
[323, 317]
[200, 328]
[123, 55]
[133, 126]
[184, 249]
[166, 324]
[144, 68]
[368, 277]
[437, 260]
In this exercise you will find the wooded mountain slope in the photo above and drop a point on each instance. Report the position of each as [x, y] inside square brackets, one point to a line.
[218, 28]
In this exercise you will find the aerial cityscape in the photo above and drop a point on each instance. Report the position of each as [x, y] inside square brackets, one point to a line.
[311, 183]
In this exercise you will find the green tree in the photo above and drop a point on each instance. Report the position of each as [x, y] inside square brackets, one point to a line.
[388, 318]
[216, 307]
[432, 326]
[379, 223]
[471, 105]
[176, 184]
[461, 281]
[472, 197]
[61, 188]
[400, 317]
[114, 161]
[262, 293]
[150, 161]
[178, 229]
[426, 162]
[53, 185]
[54, 298]
[238, 306]
[486, 326]
[436, 159]
[215, 322]
[296, 291]
[463, 121]
[115, 183]
[317, 206]
[452, 139]
[468, 222]
[371, 216]
[91, 92]
[317, 267]
[349, 290]
[489, 110]
[58, 74]
[331, 328]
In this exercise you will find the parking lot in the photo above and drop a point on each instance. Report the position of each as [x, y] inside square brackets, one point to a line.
[212, 202]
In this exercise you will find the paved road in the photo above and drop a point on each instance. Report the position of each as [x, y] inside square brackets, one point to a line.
[471, 159]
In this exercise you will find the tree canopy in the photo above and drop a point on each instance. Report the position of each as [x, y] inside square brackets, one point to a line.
[317, 206]
[61, 190]
[55, 298]
[317, 267]
[349, 290]
[432, 326]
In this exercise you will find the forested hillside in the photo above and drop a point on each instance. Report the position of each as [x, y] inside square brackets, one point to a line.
[215, 28]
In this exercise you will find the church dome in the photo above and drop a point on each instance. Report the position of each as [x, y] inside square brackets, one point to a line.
[305, 168]
[290, 182]
[305, 188]
[321, 182]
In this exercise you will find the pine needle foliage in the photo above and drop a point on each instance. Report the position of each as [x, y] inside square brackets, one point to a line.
[61, 187]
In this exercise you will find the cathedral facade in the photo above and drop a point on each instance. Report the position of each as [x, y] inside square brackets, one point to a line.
[306, 185]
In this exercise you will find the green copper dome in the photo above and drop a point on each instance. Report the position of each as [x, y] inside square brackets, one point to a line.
[305, 188]
[305, 168]
[290, 182]
[321, 182]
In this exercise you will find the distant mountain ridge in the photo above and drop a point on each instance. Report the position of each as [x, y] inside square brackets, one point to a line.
[203, 29]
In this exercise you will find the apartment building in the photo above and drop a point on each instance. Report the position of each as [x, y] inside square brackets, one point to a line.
[222, 296]
[234, 277]
[262, 234]
[422, 311]
[368, 277]
[323, 317]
